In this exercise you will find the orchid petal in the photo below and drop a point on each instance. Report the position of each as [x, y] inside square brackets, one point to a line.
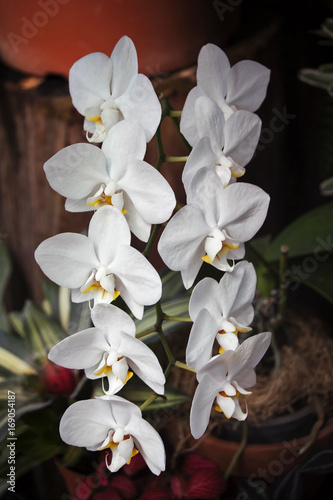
[227, 405]
[143, 362]
[202, 405]
[110, 319]
[80, 350]
[136, 223]
[213, 68]
[149, 443]
[201, 156]
[248, 354]
[141, 103]
[247, 85]
[124, 62]
[201, 340]
[86, 423]
[182, 237]
[204, 297]
[137, 275]
[236, 291]
[210, 122]
[89, 81]
[124, 144]
[247, 214]
[241, 133]
[76, 170]
[108, 230]
[149, 192]
[188, 126]
[67, 259]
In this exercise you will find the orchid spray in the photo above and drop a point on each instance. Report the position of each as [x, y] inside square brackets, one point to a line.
[127, 195]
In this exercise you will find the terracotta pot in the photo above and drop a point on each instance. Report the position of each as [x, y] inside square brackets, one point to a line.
[273, 458]
[48, 36]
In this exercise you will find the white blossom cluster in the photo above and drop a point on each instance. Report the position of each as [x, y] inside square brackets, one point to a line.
[127, 195]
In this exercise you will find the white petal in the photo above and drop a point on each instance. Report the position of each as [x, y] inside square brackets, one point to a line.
[124, 65]
[182, 237]
[111, 319]
[80, 350]
[77, 205]
[86, 423]
[141, 103]
[238, 412]
[241, 133]
[76, 170]
[137, 225]
[213, 69]
[210, 122]
[202, 405]
[149, 443]
[110, 117]
[204, 296]
[137, 275]
[247, 84]
[201, 339]
[190, 273]
[149, 192]
[143, 362]
[226, 404]
[188, 125]
[201, 156]
[236, 291]
[248, 354]
[228, 341]
[243, 208]
[108, 230]
[89, 81]
[67, 259]
[120, 369]
[124, 144]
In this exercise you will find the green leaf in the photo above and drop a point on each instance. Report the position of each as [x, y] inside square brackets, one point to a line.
[5, 271]
[137, 392]
[326, 187]
[327, 26]
[313, 274]
[14, 364]
[304, 236]
[320, 462]
[316, 78]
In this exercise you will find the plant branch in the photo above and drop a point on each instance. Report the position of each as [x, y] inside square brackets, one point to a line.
[239, 451]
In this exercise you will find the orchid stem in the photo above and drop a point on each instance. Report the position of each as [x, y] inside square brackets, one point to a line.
[174, 159]
[173, 113]
[239, 451]
[158, 326]
[183, 319]
[184, 366]
[149, 246]
[145, 332]
[283, 285]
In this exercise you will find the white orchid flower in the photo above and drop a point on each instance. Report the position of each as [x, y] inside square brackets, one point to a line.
[219, 311]
[102, 265]
[225, 146]
[109, 350]
[224, 377]
[242, 86]
[112, 422]
[116, 175]
[213, 226]
[106, 90]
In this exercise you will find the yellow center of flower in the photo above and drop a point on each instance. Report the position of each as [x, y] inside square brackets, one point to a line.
[113, 447]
